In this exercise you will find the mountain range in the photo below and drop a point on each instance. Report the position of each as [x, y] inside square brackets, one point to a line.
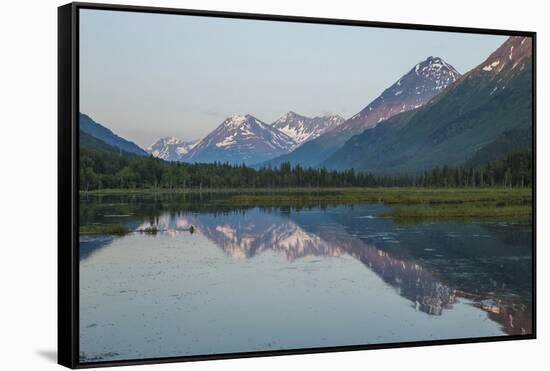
[315, 138]
[476, 116]
[432, 116]
[246, 139]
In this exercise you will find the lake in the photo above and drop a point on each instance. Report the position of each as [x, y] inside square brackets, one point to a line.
[272, 278]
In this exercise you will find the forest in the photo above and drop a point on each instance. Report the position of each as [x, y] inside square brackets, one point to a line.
[102, 169]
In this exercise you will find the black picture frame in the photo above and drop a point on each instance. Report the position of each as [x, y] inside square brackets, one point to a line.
[68, 201]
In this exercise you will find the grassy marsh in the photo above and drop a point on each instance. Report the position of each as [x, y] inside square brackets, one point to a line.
[405, 203]
[104, 229]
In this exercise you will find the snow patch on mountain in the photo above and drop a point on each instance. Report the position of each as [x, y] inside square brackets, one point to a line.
[490, 67]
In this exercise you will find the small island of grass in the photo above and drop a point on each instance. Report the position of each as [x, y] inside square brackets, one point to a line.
[104, 229]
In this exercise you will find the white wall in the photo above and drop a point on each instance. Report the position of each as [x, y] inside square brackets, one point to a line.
[28, 181]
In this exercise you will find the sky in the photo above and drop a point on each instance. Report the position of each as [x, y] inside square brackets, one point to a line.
[147, 76]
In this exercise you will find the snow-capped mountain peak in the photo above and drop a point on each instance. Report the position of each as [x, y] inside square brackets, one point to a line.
[241, 120]
[438, 71]
[241, 139]
[170, 148]
[424, 81]
[302, 128]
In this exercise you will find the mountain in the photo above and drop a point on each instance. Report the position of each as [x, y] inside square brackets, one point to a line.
[240, 139]
[98, 131]
[424, 81]
[171, 148]
[303, 129]
[516, 140]
[473, 118]
[88, 142]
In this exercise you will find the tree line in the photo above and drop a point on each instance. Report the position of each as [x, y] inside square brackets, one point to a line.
[103, 169]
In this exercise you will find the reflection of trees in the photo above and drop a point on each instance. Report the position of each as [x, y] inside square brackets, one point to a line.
[97, 208]
[431, 285]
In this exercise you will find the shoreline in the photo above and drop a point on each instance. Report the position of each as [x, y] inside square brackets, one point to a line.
[406, 204]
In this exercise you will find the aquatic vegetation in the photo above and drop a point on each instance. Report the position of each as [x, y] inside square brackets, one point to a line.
[104, 229]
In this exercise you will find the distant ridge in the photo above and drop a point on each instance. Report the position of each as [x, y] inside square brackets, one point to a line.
[302, 128]
[98, 131]
[171, 148]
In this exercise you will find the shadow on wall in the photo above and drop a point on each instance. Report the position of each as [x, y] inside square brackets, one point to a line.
[50, 355]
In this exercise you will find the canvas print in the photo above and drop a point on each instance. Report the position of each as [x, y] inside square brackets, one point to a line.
[253, 185]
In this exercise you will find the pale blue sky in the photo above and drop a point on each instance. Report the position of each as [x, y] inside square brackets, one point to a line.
[146, 76]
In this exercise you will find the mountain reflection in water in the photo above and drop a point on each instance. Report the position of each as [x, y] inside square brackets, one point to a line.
[432, 265]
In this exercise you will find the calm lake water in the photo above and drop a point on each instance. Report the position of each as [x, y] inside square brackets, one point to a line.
[253, 279]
